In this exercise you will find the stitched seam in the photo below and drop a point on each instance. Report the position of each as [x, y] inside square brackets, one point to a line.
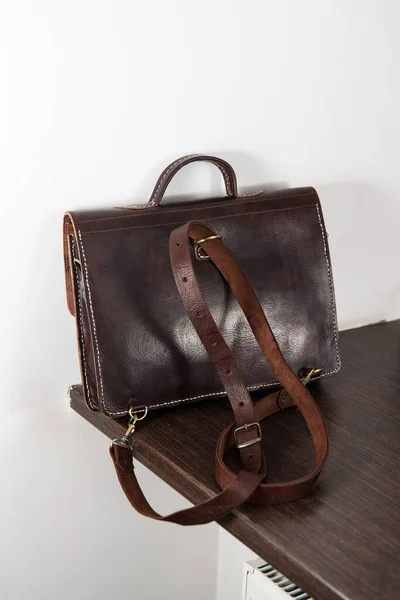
[249, 387]
[67, 266]
[180, 210]
[331, 294]
[225, 176]
[252, 387]
[80, 328]
[97, 353]
[177, 162]
[246, 214]
[174, 164]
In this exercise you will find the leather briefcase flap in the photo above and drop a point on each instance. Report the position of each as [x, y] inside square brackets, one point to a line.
[137, 345]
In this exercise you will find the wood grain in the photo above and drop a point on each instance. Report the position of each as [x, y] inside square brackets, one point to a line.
[342, 541]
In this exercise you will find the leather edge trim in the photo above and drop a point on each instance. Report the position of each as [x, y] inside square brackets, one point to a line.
[74, 302]
[68, 228]
[251, 388]
[99, 379]
[91, 402]
[330, 283]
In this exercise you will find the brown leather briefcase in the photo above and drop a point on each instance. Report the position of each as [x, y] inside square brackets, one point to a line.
[205, 299]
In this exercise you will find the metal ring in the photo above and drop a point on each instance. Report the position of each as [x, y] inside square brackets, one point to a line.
[134, 413]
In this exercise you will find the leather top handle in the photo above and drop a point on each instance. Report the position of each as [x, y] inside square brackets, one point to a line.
[245, 433]
[162, 183]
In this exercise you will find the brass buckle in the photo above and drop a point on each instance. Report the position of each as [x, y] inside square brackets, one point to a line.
[197, 247]
[250, 442]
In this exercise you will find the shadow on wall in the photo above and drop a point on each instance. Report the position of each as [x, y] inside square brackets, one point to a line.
[362, 222]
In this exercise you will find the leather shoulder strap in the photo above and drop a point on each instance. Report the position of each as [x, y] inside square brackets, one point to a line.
[246, 431]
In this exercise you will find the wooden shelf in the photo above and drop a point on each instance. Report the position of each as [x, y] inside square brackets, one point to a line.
[342, 541]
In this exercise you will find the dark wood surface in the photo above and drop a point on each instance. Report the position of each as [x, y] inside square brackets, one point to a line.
[343, 540]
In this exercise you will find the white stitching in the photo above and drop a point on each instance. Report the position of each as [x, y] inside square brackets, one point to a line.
[331, 294]
[225, 176]
[94, 325]
[167, 170]
[245, 214]
[191, 209]
[252, 387]
[80, 328]
[249, 387]
[152, 202]
[66, 261]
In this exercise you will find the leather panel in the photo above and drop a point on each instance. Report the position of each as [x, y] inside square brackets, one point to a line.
[143, 345]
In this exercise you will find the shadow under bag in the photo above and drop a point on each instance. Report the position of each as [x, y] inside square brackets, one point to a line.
[205, 299]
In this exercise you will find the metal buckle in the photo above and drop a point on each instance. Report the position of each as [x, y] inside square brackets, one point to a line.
[199, 251]
[250, 442]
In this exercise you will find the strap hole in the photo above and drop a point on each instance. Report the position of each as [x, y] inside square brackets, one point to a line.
[214, 344]
[229, 371]
[199, 314]
[184, 279]
[241, 403]
[178, 243]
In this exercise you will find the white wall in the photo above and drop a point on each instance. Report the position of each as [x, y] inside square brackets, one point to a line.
[97, 96]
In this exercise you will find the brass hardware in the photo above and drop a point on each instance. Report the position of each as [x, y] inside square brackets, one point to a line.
[125, 440]
[200, 253]
[134, 413]
[77, 262]
[309, 375]
[207, 239]
[283, 397]
[250, 442]
[134, 418]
